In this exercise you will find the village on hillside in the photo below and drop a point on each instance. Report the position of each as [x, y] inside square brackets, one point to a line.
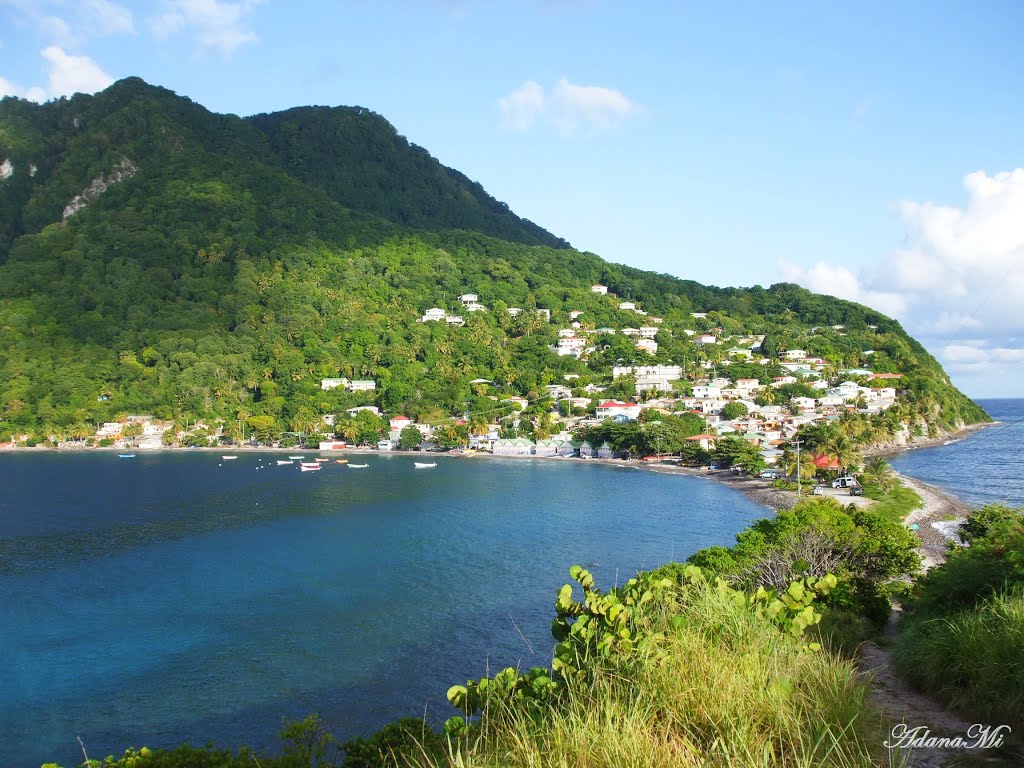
[732, 392]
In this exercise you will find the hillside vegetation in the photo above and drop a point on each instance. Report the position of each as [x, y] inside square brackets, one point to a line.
[158, 258]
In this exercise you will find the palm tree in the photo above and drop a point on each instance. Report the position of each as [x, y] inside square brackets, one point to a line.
[806, 468]
[479, 425]
[845, 452]
[349, 430]
[878, 472]
[81, 431]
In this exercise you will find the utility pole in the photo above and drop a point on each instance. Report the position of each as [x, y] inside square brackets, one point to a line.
[797, 443]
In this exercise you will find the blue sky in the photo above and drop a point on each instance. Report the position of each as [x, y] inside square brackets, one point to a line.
[869, 150]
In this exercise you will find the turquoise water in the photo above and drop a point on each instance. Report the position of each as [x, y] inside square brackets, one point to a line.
[168, 598]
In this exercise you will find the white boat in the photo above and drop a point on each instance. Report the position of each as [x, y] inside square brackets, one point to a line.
[309, 464]
[309, 468]
[358, 466]
[282, 461]
[229, 458]
[296, 458]
[424, 465]
[319, 460]
[126, 455]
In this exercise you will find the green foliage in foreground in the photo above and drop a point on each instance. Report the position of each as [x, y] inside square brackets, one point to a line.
[869, 552]
[963, 640]
[719, 681]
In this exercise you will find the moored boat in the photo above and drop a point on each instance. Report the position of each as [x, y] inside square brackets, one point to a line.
[358, 466]
[283, 461]
[309, 467]
[341, 461]
[229, 458]
[322, 460]
[126, 455]
[424, 465]
[296, 458]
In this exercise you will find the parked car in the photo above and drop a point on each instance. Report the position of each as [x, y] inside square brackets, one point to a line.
[857, 490]
[769, 474]
[844, 482]
[819, 490]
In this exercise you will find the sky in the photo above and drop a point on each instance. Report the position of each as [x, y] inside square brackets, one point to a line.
[869, 150]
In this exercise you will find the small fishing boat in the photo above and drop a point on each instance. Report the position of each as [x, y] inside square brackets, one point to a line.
[358, 466]
[296, 458]
[341, 461]
[424, 465]
[321, 460]
[309, 464]
[282, 461]
[229, 458]
[309, 468]
[126, 455]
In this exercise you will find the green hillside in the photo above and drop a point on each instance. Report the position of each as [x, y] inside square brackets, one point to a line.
[220, 267]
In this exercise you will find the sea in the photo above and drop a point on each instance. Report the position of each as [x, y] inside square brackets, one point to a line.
[177, 597]
[985, 467]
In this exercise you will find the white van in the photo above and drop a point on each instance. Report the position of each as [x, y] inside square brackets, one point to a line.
[844, 482]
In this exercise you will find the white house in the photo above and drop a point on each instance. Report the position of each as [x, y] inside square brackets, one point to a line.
[351, 412]
[795, 354]
[804, 403]
[469, 298]
[455, 320]
[333, 383]
[399, 422]
[515, 311]
[648, 332]
[475, 307]
[627, 305]
[699, 314]
[558, 391]
[781, 381]
[546, 314]
[650, 346]
[670, 372]
[601, 289]
[613, 408]
[575, 313]
[706, 390]
[609, 331]
[565, 333]
[571, 345]
[630, 331]
[705, 338]
[433, 314]
[362, 385]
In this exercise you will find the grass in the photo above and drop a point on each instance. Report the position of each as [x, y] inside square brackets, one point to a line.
[971, 660]
[896, 503]
[730, 690]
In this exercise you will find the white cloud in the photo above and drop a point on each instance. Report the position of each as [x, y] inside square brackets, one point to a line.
[521, 107]
[67, 74]
[219, 26]
[571, 108]
[582, 107]
[839, 281]
[107, 18]
[7, 88]
[960, 270]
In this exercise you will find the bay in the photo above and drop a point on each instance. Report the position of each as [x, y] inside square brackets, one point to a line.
[175, 597]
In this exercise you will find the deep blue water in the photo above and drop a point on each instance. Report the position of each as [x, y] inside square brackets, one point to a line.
[166, 599]
[983, 468]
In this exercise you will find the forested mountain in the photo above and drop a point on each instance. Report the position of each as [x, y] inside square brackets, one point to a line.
[157, 257]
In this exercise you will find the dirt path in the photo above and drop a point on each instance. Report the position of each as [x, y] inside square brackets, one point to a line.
[900, 704]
